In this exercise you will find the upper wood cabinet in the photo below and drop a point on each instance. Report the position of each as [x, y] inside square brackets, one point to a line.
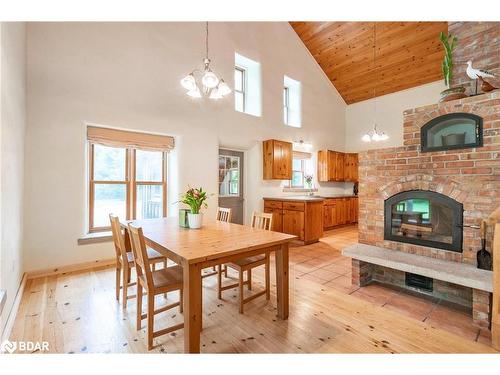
[337, 166]
[277, 160]
[351, 167]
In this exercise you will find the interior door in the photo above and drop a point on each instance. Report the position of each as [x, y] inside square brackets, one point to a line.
[231, 183]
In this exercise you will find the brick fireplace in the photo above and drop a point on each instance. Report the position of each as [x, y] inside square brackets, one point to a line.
[469, 176]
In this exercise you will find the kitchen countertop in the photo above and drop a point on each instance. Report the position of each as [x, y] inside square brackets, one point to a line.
[309, 198]
[297, 198]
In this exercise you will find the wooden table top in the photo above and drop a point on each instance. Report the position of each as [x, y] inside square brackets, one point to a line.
[214, 240]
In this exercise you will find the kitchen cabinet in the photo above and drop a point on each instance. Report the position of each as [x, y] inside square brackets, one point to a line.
[351, 167]
[340, 211]
[293, 223]
[277, 160]
[300, 217]
[275, 208]
[337, 166]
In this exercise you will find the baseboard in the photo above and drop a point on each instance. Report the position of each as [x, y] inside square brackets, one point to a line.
[13, 311]
[71, 268]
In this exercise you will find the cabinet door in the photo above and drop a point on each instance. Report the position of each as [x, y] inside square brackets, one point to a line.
[282, 160]
[277, 224]
[355, 205]
[328, 216]
[339, 166]
[351, 167]
[293, 223]
[341, 212]
[355, 166]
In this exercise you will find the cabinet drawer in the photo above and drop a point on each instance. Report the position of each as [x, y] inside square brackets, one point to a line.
[295, 206]
[273, 204]
[330, 201]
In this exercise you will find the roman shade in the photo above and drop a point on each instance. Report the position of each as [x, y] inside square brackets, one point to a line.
[302, 155]
[123, 138]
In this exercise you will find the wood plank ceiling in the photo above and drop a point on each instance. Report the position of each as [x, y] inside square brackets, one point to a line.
[408, 54]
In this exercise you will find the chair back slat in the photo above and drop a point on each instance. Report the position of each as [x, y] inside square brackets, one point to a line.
[223, 214]
[118, 238]
[142, 265]
[262, 220]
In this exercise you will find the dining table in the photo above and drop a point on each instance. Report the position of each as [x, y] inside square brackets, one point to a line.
[215, 243]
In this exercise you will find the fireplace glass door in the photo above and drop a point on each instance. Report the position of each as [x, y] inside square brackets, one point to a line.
[452, 131]
[425, 218]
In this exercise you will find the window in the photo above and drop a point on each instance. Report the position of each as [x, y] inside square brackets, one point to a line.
[301, 167]
[291, 102]
[229, 169]
[247, 86]
[127, 176]
[239, 89]
[298, 171]
[285, 105]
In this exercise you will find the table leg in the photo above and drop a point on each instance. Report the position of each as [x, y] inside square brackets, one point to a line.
[282, 281]
[192, 308]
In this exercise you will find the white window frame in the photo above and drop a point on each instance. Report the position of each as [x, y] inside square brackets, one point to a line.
[243, 86]
[286, 104]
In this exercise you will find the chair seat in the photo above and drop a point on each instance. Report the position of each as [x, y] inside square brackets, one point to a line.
[152, 255]
[166, 277]
[247, 261]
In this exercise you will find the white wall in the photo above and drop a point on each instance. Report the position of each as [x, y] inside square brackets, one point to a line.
[127, 75]
[359, 116]
[12, 133]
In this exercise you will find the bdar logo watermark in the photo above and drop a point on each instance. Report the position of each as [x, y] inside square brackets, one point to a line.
[24, 346]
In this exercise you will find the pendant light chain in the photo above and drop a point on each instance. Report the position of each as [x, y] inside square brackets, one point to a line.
[206, 40]
[374, 134]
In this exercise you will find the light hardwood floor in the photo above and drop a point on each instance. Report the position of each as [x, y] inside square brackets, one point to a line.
[77, 313]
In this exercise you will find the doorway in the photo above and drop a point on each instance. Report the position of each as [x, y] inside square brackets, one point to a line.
[231, 183]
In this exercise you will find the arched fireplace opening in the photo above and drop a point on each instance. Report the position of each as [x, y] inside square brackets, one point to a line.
[425, 218]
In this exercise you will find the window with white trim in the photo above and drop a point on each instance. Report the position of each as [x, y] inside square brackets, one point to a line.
[291, 102]
[239, 88]
[247, 86]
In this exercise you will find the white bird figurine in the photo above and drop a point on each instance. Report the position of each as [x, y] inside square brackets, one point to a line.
[474, 73]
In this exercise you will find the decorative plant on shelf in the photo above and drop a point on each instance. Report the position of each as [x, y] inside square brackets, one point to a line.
[196, 200]
[449, 43]
[308, 178]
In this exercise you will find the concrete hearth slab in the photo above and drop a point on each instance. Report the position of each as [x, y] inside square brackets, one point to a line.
[453, 272]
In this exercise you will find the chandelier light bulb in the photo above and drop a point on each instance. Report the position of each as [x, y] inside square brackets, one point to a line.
[384, 137]
[366, 138]
[194, 93]
[215, 94]
[188, 82]
[209, 79]
[223, 88]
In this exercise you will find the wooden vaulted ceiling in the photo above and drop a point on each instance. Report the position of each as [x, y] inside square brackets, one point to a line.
[407, 54]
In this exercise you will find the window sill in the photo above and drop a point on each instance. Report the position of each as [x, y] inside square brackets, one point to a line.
[299, 190]
[97, 237]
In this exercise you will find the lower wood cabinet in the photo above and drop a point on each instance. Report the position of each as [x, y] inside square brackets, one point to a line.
[340, 211]
[293, 223]
[303, 219]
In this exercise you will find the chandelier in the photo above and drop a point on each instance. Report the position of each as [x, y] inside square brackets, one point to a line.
[374, 134]
[204, 82]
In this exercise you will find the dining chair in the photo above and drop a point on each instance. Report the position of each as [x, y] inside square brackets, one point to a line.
[261, 221]
[125, 261]
[161, 281]
[223, 214]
